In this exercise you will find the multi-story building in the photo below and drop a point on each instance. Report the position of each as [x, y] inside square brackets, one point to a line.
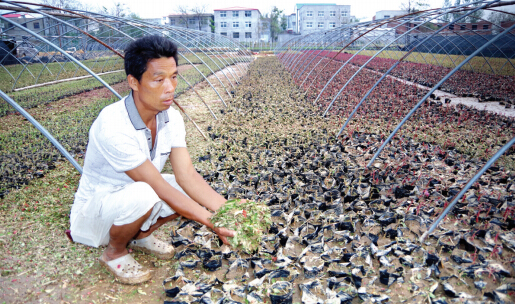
[199, 22]
[240, 23]
[312, 17]
[388, 14]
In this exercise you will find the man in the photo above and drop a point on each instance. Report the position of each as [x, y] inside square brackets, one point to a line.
[122, 196]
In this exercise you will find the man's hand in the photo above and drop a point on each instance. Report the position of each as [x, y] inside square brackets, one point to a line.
[223, 233]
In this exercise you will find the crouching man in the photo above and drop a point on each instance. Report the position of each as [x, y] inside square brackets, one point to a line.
[122, 196]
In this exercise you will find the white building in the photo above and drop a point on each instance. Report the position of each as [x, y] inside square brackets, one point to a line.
[388, 14]
[199, 22]
[240, 23]
[312, 17]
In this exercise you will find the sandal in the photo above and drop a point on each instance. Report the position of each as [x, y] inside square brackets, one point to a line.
[126, 269]
[152, 245]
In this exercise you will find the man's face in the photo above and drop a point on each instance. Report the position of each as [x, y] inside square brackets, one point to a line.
[156, 88]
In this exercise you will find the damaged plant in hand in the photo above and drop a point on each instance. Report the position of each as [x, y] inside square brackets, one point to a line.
[249, 219]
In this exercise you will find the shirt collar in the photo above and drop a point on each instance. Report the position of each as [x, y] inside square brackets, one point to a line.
[134, 116]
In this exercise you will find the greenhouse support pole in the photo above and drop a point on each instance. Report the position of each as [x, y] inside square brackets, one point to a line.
[395, 65]
[435, 88]
[64, 53]
[471, 182]
[42, 130]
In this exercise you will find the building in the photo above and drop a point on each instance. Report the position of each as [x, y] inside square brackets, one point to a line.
[199, 22]
[312, 17]
[27, 20]
[388, 14]
[292, 23]
[240, 23]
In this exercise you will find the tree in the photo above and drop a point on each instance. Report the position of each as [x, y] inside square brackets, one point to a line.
[183, 11]
[198, 11]
[474, 17]
[412, 6]
[284, 22]
[275, 27]
[212, 25]
[498, 17]
[447, 17]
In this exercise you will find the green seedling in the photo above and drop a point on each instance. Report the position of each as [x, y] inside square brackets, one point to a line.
[250, 220]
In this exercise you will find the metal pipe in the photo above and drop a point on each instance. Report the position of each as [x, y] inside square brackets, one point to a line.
[41, 129]
[434, 89]
[471, 182]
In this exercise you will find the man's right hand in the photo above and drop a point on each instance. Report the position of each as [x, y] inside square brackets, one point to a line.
[223, 233]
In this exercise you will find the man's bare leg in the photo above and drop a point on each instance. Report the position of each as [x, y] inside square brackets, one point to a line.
[160, 221]
[119, 236]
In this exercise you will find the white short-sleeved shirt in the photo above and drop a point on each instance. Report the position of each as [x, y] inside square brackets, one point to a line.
[120, 141]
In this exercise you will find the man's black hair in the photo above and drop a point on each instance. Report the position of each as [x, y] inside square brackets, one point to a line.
[144, 49]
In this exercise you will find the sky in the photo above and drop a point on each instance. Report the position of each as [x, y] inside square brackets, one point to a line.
[158, 8]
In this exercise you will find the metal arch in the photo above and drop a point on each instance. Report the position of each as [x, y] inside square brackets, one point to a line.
[191, 33]
[65, 54]
[297, 74]
[308, 39]
[222, 70]
[393, 67]
[469, 184]
[235, 60]
[354, 55]
[220, 57]
[140, 28]
[303, 56]
[41, 129]
[321, 58]
[437, 14]
[435, 88]
[339, 52]
[58, 48]
[184, 46]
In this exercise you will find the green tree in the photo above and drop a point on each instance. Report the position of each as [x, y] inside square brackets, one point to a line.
[212, 25]
[284, 22]
[275, 27]
[412, 6]
[446, 17]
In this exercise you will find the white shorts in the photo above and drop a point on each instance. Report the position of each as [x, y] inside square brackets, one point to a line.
[121, 206]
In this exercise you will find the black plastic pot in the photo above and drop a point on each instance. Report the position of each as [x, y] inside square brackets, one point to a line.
[286, 288]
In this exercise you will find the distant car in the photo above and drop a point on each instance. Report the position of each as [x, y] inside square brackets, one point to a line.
[25, 49]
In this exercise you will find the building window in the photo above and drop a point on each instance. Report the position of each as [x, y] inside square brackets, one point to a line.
[320, 24]
[223, 34]
[172, 21]
[309, 24]
[485, 26]
[223, 13]
[309, 14]
[248, 35]
[205, 21]
[223, 24]
[248, 24]
[248, 13]
[235, 24]
[463, 27]
[320, 13]
[332, 13]
[236, 35]
[235, 13]
[451, 27]
[474, 27]
[344, 13]
[332, 24]
[191, 21]
[36, 25]
[387, 16]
